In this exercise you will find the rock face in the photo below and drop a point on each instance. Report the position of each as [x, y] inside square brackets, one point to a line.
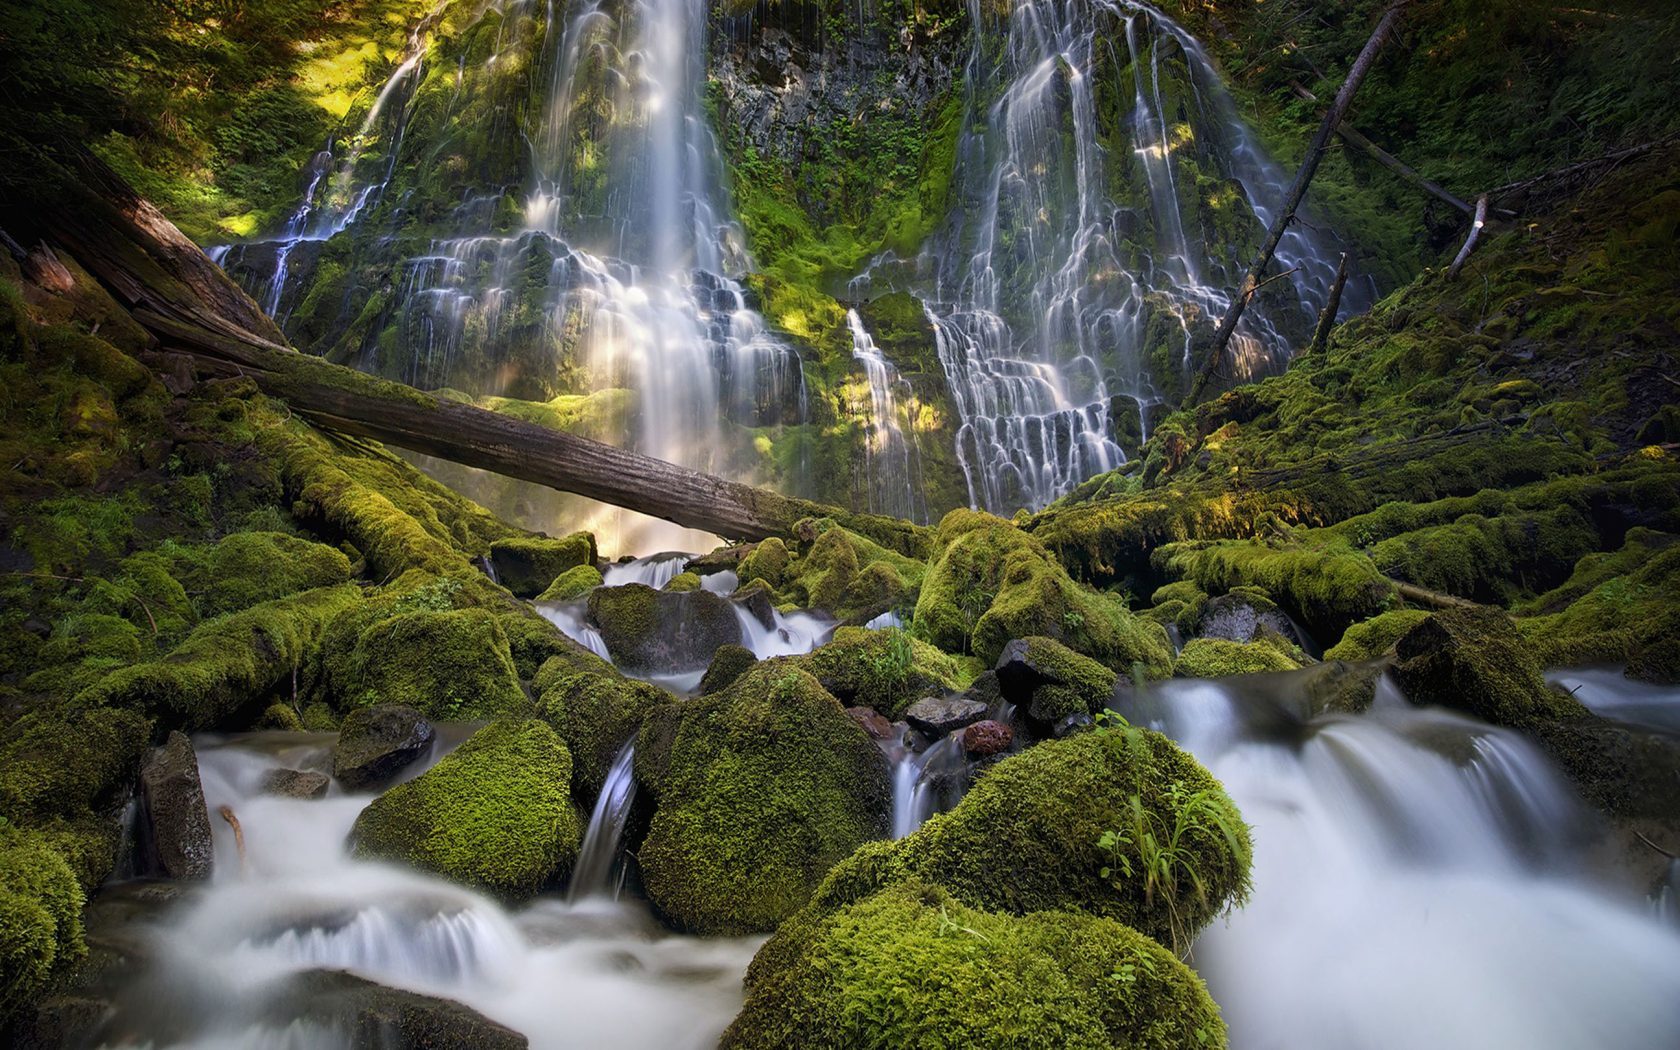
[649, 630]
[988, 737]
[376, 742]
[496, 813]
[296, 783]
[388, 1018]
[940, 715]
[176, 818]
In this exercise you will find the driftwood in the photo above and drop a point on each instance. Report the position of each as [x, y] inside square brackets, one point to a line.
[1303, 178]
[238, 835]
[1434, 599]
[1356, 138]
[1327, 318]
[1476, 225]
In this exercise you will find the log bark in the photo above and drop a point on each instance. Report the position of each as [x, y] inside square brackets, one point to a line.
[1297, 191]
[1356, 138]
[1327, 319]
[1476, 225]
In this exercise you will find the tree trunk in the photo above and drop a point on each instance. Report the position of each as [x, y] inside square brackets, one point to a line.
[1303, 178]
[1356, 138]
[1476, 225]
[1327, 319]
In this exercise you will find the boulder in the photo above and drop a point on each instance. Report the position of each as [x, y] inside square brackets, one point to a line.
[296, 783]
[884, 669]
[389, 1018]
[1220, 658]
[872, 721]
[496, 813]
[1244, 615]
[939, 715]
[986, 738]
[375, 743]
[1047, 681]
[649, 630]
[455, 664]
[758, 790]
[728, 664]
[526, 565]
[572, 584]
[595, 710]
[177, 822]
[1473, 660]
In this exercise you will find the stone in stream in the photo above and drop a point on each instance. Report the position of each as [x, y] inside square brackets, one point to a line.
[1048, 681]
[388, 1018]
[295, 783]
[728, 663]
[873, 722]
[374, 743]
[526, 565]
[649, 630]
[938, 715]
[176, 817]
[1244, 615]
[987, 737]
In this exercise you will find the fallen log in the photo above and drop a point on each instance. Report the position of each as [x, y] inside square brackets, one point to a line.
[1297, 191]
[1408, 174]
[1476, 225]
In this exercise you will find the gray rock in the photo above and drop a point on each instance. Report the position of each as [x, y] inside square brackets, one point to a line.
[1078, 722]
[939, 715]
[378, 1016]
[1243, 618]
[296, 783]
[375, 743]
[664, 631]
[176, 818]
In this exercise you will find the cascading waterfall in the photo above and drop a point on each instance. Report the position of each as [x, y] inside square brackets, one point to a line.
[1051, 300]
[597, 859]
[1417, 883]
[893, 463]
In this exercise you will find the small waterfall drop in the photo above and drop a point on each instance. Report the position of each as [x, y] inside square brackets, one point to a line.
[596, 862]
[892, 461]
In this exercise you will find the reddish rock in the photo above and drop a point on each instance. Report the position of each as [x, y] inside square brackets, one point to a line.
[872, 721]
[989, 737]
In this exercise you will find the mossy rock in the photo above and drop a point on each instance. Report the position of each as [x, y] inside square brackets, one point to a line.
[992, 583]
[595, 710]
[1616, 607]
[496, 813]
[887, 669]
[661, 631]
[682, 582]
[448, 665]
[40, 916]
[1026, 838]
[728, 663]
[1220, 658]
[913, 966]
[527, 565]
[768, 561]
[1375, 637]
[847, 574]
[572, 584]
[759, 790]
[1473, 660]
[247, 568]
[1049, 681]
[65, 763]
[1327, 588]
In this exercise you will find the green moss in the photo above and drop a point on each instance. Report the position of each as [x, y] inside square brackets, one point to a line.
[1375, 637]
[572, 584]
[40, 917]
[767, 562]
[992, 583]
[595, 710]
[228, 662]
[728, 663]
[887, 670]
[496, 813]
[247, 568]
[1618, 606]
[682, 582]
[759, 789]
[1062, 681]
[1327, 587]
[67, 762]
[526, 565]
[1219, 658]
[846, 573]
[1489, 559]
[448, 665]
[914, 966]
[1474, 660]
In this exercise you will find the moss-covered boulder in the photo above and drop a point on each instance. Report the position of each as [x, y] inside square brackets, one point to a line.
[681, 582]
[526, 565]
[649, 630]
[1326, 586]
[1047, 681]
[728, 663]
[1375, 637]
[572, 584]
[766, 562]
[56, 763]
[447, 665]
[251, 567]
[1473, 660]
[595, 710]
[845, 573]
[759, 790]
[912, 966]
[496, 813]
[1219, 658]
[40, 916]
[992, 582]
[1615, 607]
[886, 669]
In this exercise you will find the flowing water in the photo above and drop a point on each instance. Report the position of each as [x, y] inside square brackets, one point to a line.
[598, 857]
[892, 463]
[591, 972]
[1417, 884]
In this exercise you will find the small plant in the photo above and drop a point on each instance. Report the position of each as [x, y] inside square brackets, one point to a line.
[1164, 854]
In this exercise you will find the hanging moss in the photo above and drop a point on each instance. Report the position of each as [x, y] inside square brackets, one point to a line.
[495, 813]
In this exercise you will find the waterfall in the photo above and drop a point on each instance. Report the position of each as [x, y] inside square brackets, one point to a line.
[1055, 304]
[593, 875]
[892, 463]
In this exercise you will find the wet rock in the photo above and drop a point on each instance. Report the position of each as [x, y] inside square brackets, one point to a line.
[1047, 681]
[388, 1018]
[755, 597]
[1244, 616]
[175, 814]
[939, 715]
[376, 742]
[728, 663]
[1068, 725]
[649, 630]
[527, 565]
[873, 722]
[296, 783]
[987, 737]
[1473, 660]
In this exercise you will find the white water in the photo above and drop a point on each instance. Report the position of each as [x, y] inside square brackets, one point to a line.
[1606, 692]
[594, 874]
[568, 975]
[892, 463]
[789, 634]
[1415, 886]
[925, 783]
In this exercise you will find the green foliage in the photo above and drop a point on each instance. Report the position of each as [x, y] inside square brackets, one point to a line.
[1221, 658]
[495, 813]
